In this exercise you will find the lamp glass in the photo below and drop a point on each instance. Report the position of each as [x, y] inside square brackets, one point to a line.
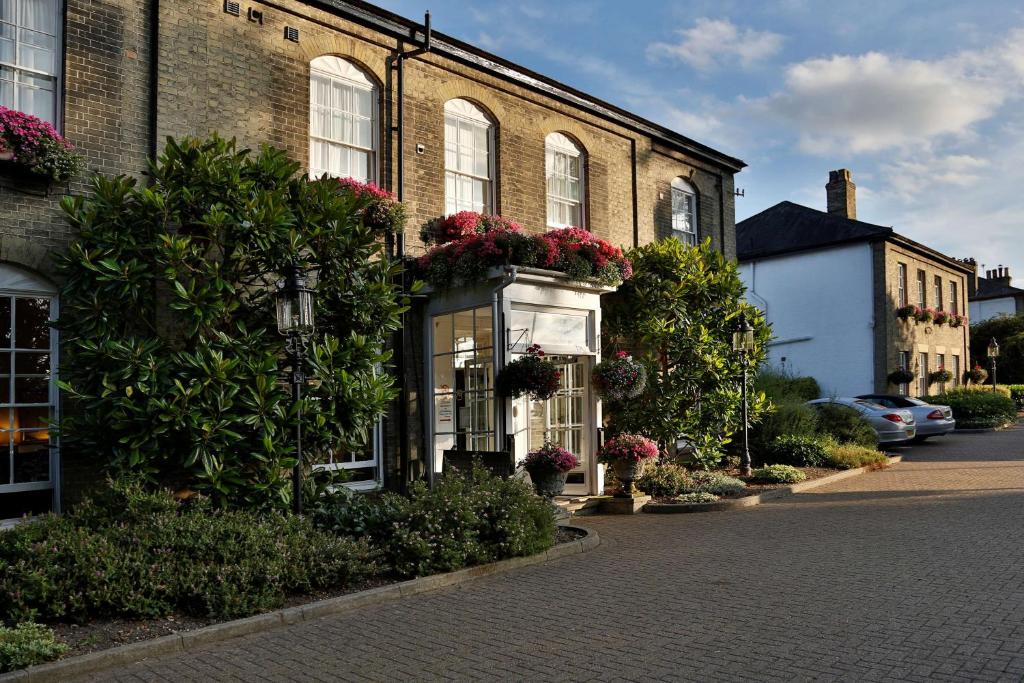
[993, 349]
[294, 309]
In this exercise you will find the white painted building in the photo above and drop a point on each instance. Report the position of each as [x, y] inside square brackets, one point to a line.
[994, 295]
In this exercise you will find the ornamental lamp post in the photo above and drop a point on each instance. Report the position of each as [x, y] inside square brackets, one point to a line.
[295, 322]
[993, 353]
[743, 344]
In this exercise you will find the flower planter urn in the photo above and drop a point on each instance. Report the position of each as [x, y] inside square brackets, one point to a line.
[549, 484]
[626, 471]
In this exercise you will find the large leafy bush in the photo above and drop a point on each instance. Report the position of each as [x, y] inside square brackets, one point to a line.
[1008, 330]
[153, 555]
[780, 385]
[844, 424]
[789, 418]
[798, 451]
[462, 521]
[974, 409]
[171, 353]
[663, 479]
[677, 314]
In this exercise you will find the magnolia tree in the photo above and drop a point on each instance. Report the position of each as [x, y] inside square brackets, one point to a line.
[677, 314]
[172, 359]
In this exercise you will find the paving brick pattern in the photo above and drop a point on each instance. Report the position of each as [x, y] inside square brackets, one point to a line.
[911, 574]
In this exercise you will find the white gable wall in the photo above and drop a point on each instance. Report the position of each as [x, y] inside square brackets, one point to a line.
[820, 305]
[980, 311]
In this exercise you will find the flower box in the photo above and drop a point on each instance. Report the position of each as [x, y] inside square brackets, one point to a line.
[30, 145]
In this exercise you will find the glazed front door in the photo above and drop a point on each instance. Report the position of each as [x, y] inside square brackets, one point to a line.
[563, 419]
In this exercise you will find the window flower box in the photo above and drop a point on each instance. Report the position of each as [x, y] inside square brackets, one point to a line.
[29, 144]
[940, 376]
[382, 212]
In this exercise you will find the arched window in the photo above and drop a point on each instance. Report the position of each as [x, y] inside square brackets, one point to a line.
[342, 120]
[563, 162]
[28, 394]
[30, 56]
[468, 158]
[684, 211]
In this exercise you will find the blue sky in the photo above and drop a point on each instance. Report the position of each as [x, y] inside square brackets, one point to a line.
[921, 100]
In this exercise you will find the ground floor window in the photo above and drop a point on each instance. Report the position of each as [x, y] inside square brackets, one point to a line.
[922, 378]
[940, 364]
[363, 465]
[463, 382]
[955, 369]
[904, 389]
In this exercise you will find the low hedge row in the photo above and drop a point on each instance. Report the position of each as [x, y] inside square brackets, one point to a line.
[804, 451]
[974, 409]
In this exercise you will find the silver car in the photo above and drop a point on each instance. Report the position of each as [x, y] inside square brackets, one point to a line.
[892, 425]
[932, 420]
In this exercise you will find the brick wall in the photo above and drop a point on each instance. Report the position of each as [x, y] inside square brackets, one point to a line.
[894, 335]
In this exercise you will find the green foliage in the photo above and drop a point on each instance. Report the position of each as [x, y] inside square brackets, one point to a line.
[155, 556]
[171, 353]
[974, 409]
[788, 418]
[1008, 330]
[699, 497]
[712, 482]
[1017, 394]
[845, 425]
[677, 314]
[779, 474]
[26, 645]
[848, 456]
[799, 451]
[462, 521]
[662, 479]
[779, 385]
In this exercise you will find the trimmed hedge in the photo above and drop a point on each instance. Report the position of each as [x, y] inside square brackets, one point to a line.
[462, 521]
[663, 479]
[974, 409]
[779, 474]
[1017, 394]
[142, 554]
[848, 456]
[799, 451]
[778, 385]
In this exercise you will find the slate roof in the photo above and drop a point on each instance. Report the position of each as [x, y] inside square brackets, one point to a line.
[995, 288]
[788, 227]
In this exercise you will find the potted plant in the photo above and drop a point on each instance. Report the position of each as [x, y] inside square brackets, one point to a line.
[29, 142]
[900, 376]
[549, 466]
[940, 376]
[382, 213]
[627, 454]
[529, 375]
[619, 378]
[976, 375]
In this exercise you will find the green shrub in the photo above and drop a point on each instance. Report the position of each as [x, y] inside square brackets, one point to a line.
[662, 479]
[788, 418]
[159, 556]
[712, 482]
[779, 385]
[698, 497]
[26, 645]
[1017, 394]
[845, 425]
[977, 409]
[799, 451]
[779, 474]
[847, 456]
[462, 521]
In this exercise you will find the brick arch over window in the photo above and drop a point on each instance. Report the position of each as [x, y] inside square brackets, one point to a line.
[344, 119]
[565, 164]
[470, 164]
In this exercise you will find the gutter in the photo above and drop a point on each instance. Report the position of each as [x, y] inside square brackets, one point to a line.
[154, 76]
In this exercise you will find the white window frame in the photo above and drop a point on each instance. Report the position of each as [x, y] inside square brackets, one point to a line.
[904, 361]
[901, 285]
[954, 297]
[460, 112]
[681, 187]
[957, 369]
[939, 294]
[922, 288]
[559, 145]
[56, 77]
[342, 71]
[922, 383]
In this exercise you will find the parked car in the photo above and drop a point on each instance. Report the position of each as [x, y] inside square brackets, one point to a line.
[932, 420]
[892, 425]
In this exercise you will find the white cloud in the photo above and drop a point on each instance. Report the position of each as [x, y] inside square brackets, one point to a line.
[911, 176]
[712, 43]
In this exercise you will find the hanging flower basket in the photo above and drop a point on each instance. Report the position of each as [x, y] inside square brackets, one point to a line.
[30, 143]
[956, 320]
[627, 454]
[906, 312]
[549, 467]
[940, 376]
[382, 213]
[530, 375]
[940, 317]
[898, 377]
[619, 378]
[976, 375]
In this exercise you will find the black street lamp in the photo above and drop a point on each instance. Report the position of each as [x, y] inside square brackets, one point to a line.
[743, 344]
[993, 353]
[295, 322]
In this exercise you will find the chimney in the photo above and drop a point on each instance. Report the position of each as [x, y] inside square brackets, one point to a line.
[841, 194]
[972, 279]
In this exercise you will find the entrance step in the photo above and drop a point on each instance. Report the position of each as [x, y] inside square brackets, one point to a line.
[580, 506]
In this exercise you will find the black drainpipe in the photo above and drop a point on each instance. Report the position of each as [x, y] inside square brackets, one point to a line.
[636, 199]
[400, 337]
[154, 76]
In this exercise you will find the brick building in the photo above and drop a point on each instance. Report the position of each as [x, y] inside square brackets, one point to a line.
[831, 286]
[352, 90]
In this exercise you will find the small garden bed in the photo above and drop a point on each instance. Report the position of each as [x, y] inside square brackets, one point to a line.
[755, 487]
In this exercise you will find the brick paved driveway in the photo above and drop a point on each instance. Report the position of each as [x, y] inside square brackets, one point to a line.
[915, 573]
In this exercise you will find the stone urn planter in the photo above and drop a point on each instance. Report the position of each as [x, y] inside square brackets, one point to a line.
[627, 454]
[549, 484]
[628, 471]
